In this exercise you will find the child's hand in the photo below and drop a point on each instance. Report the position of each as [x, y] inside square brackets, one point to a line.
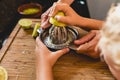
[43, 54]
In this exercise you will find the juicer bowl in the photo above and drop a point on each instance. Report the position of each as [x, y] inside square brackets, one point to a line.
[44, 36]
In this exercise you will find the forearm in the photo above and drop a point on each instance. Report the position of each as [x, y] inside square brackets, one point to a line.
[44, 71]
[89, 23]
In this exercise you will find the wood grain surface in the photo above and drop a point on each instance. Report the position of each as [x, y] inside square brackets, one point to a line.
[18, 57]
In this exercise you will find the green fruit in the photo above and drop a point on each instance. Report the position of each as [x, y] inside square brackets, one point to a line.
[35, 33]
[3, 73]
[55, 22]
[25, 23]
[31, 11]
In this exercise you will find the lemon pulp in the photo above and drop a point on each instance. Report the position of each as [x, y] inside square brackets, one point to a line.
[3, 73]
[55, 22]
[31, 11]
[25, 23]
[35, 33]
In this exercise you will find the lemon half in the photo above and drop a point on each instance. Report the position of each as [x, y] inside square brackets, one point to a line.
[3, 73]
[25, 23]
[35, 33]
[55, 22]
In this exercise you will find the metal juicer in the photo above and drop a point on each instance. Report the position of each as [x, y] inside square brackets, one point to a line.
[59, 37]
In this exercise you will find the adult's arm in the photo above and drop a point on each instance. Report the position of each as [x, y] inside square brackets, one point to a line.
[89, 23]
[72, 18]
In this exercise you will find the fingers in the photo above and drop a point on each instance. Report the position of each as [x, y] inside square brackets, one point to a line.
[45, 23]
[82, 48]
[70, 14]
[89, 48]
[89, 45]
[97, 49]
[59, 53]
[85, 39]
[62, 19]
[39, 43]
[52, 12]
[94, 55]
[45, 19]
[85, 48]
[58, 7]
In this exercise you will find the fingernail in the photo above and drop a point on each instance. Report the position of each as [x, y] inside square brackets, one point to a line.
[78, 48]
[76, 41]
[57, 17]
[43, 24]
[50, 14]
[67, 49]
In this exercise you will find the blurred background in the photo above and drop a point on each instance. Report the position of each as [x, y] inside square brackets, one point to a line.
[9, 15]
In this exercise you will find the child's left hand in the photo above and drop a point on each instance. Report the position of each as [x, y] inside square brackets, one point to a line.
[44, 55]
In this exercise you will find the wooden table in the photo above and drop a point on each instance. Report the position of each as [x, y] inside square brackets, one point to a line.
[18, 57]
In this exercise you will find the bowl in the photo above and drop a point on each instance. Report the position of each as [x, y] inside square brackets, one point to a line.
[30, 10]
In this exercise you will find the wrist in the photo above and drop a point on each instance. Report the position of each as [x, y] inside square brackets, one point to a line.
[43, 69]
[89, 23]
[44, 62]
[80, 21]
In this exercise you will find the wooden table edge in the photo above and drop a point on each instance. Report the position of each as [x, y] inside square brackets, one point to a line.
[12, 37]
[9, 42]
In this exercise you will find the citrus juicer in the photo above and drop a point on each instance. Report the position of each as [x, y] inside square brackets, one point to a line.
[59, 35]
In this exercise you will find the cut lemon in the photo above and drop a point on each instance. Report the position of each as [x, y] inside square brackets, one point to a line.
[25, 23]
[55, 22]
[3, 73]
[35, 33]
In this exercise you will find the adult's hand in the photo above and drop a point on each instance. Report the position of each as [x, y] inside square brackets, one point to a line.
[70, 18]
[88, 44]
[45, 16]
[45, 55]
